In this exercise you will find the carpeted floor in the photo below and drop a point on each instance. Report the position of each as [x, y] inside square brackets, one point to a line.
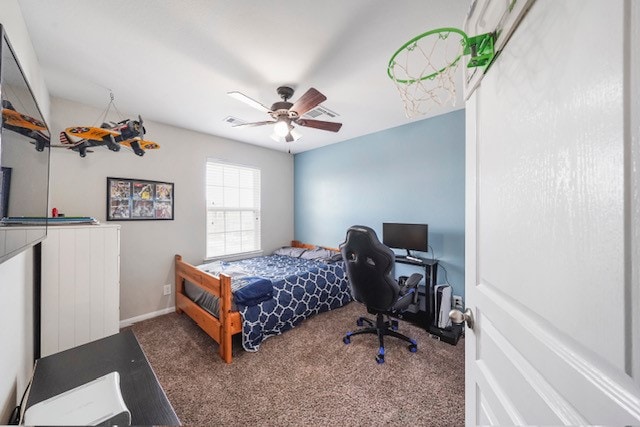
[307, 376]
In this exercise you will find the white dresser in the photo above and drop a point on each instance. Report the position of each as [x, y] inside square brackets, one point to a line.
[80, 285]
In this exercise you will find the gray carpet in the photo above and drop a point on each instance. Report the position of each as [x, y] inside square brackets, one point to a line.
[307, 376]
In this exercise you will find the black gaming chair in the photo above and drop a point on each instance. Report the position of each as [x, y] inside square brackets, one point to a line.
[370, 266]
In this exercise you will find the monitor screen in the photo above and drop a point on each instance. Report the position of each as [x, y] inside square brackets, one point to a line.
[406, 236]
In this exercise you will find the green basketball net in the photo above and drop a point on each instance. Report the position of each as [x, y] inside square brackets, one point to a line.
[424, 68]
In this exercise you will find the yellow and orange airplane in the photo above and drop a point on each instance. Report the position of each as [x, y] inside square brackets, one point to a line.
[25, 125]
[129, 133]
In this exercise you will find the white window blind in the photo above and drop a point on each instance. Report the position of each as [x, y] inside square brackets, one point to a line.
[233, 209]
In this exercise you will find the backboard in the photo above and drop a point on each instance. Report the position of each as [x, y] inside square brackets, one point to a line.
[490, 16]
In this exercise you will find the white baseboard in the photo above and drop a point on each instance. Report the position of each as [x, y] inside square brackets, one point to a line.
[128, 322]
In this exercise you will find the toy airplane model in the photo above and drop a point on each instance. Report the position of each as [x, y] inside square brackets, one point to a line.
[129, 133]
[24, 125]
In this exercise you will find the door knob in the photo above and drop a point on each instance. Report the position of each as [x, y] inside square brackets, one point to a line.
[458, 316]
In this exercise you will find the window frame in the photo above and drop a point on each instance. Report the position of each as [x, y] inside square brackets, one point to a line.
[256, 209]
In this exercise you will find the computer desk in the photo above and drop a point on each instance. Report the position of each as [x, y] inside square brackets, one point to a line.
[425, 319]
[430, 267]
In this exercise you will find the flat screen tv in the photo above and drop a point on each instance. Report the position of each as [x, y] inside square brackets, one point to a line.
[24, 157]
[406, 236]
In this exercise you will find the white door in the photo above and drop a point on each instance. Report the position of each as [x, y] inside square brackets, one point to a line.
[553, 221]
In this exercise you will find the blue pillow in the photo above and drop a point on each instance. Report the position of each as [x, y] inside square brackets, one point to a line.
[251, 290]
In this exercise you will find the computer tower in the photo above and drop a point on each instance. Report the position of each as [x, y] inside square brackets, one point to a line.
[441, 306]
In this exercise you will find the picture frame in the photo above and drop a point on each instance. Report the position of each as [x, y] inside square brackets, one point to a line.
[139, 199]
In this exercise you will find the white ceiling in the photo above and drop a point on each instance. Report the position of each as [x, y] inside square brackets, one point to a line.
[174, 61]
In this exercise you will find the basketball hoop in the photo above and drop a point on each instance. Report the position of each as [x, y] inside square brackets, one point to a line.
[424, 68]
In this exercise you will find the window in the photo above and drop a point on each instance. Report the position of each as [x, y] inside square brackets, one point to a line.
[233, 209]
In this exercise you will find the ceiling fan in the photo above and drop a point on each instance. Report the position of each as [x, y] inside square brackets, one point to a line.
[285, 113]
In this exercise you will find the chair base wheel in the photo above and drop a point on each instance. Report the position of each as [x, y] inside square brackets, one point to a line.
[381, 328]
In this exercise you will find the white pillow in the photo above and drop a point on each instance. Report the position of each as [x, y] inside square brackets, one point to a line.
[290, 251]
[317, 254]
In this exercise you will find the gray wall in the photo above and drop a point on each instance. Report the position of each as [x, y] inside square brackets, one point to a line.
[78, 188]
[411, 174]
[16, 278]
[16, 333]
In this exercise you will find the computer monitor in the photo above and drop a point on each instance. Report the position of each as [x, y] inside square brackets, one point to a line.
[406, 236]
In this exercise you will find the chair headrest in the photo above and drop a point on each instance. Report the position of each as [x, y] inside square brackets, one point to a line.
[369, 265]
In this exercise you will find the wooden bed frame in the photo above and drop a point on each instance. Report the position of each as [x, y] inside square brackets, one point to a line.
[229, 322]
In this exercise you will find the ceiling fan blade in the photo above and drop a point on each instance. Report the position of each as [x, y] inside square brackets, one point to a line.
[319, 124]
[254, 124]
[309, 100]
[249, 101]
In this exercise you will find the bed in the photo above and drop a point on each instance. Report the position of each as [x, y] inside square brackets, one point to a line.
[260, 297]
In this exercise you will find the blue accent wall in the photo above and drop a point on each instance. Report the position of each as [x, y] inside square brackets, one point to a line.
[413, 174]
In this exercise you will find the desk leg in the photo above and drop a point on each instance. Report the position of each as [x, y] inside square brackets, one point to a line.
[434, 274]
[430, 283]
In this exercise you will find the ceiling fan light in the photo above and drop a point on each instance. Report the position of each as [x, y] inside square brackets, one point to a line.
[295, 134]
[281, 128]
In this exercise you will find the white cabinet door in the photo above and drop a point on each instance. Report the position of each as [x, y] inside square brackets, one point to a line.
[553, 222]
[80, 285]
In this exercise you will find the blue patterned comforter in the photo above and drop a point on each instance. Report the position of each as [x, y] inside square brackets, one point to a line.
[300, 289]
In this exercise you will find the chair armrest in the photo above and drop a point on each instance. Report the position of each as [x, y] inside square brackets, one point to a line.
[412, 283]
[405, 300]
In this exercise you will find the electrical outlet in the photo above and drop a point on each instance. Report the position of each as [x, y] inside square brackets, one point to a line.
[457, 301]
[167, 289]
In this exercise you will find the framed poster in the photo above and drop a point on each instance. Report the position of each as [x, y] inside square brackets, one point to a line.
[138, 199]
